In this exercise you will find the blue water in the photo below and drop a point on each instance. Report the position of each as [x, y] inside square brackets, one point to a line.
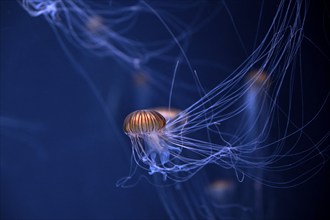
[62, 151]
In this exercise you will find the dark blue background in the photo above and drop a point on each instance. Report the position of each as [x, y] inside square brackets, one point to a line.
[60, 156]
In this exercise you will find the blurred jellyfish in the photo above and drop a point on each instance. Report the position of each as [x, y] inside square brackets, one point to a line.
[220, 189]
[141, 82]
[110, 29]
[169, 114]
[95, 24]
[258, 79]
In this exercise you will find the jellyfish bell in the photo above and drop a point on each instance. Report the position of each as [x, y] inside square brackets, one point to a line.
[219, 189]
[140, 79]
[258, 79]
[95, 24]
[168, 113]
[143, 122]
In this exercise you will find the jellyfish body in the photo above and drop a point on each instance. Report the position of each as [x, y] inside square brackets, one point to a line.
[146, 131]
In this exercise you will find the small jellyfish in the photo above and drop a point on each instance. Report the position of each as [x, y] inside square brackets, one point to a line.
[219, 190]
[95, 24]
[169, 114]
[140, 79]
[258, 79]
[145, 128]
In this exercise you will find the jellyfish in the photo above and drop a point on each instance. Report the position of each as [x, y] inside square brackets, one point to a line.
[239, 124]
[219, 188]
[148, 125]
